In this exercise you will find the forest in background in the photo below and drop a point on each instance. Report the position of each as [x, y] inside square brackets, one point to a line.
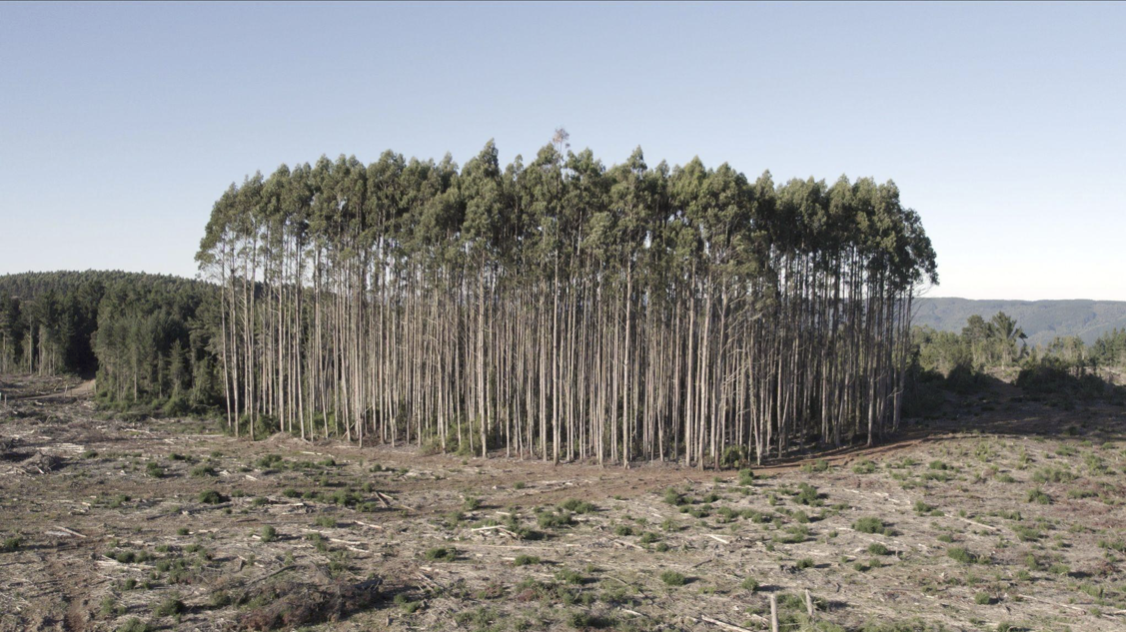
[146, 337]
[1041, 321]
[560, 310]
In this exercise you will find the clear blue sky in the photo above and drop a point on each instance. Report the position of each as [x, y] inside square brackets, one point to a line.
[1004, 126]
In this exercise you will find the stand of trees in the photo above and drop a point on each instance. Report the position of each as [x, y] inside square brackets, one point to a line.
[146, 337]
[1065, 366]
[46, 321]
[562, 309]
[981, 344]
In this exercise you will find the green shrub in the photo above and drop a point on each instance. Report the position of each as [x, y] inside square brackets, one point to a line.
[170, 607]
[552, 519]
[923, 508]
[864, 467]
[804, 563]
[268, 461]
[1038, 496]
[808, 495]
[526, 560]
[135, 625]
[878, 549]
[983, 599]
[205, 469]
[961, 554]
[212, 497]
[673, 578]
[750, 584]
[571, 576]
[578, 506]
[110, 608]
[820, 465]
[269, 534]
[1059, 569]
[441, 554]
[11, 544]
[870, 524]
[673, 497]
[587, 621]
[796, 534]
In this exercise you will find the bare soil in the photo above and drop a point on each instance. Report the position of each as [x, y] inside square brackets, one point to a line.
[1010, 513]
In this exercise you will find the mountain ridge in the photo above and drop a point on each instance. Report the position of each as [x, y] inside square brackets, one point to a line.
[1042, 320]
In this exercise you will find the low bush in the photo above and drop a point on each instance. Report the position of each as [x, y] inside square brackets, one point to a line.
[673, 578]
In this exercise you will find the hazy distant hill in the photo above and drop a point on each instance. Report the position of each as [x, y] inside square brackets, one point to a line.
[1041, 320]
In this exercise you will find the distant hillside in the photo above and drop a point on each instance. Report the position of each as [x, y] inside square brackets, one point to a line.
[1041, 320]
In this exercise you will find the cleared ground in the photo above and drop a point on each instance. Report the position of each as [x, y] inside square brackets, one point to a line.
[1011, 515]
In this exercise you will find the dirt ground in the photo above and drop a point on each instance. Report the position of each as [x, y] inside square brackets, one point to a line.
[1008, 515]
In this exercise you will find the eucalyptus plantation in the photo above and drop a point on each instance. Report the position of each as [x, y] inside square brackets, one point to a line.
[561, 309]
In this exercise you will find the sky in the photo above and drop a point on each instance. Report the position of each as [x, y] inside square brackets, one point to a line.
[1003, 124]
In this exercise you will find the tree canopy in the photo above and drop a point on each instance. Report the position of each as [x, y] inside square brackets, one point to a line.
[561, 308]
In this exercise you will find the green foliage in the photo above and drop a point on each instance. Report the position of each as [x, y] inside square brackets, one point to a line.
[808, 495]
[864, 466]
[673, 497]
[135, 625]
[170, 607]
[551, 519]
[871, 524]
[441, 554]
[586, 621]
[526, 560]
[673, 578]
[269, 533]
[578, 506]
[212, 497]
[140, 333]
[961, 554]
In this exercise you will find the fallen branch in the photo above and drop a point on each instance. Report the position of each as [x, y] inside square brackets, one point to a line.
[980, 524]
[70, 532]
[497, 528]
[725, 625]
[1064, 605]
[273, 574]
